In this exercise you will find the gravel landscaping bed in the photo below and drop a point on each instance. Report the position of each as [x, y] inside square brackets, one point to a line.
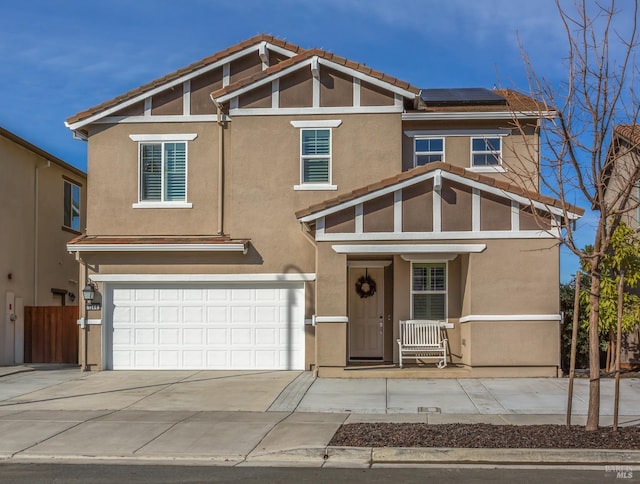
[484, 436]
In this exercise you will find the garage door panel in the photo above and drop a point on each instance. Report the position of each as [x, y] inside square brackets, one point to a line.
[208, 327]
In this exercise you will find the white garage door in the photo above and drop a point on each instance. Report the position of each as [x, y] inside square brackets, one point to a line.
[215, 326]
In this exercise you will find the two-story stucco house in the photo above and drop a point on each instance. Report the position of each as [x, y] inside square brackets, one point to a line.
[272, 207]
[42, 205]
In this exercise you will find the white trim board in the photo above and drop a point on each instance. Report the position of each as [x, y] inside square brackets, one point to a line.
[422, 116]
[510, 317]
[330, 319]
[157, 248]
[267, 277]
[408, 236]
[408, 248]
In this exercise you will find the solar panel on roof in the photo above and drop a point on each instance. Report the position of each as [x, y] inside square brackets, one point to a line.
[461, 97]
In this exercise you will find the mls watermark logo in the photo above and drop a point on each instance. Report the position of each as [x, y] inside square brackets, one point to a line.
[619, 472]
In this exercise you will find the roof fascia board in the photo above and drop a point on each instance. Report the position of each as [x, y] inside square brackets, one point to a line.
[263, 81]
[327, 63]
[365, 77]
[311, 111]
[457, 132]
[420, 116]
[169, 118]
[511, 196]
[302, 277]
[168, 85]
[426, 176]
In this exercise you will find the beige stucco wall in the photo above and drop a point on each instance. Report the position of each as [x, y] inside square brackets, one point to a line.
[519, 150]
[34, 259]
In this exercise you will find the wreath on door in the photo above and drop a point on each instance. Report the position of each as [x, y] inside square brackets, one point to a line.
[365, 286]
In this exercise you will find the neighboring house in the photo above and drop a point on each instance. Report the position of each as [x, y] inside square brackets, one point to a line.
[42, 201]
[625, 148]
[241, 210]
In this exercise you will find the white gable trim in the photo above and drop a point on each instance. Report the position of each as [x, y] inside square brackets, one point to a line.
[422, 116]
[310, 62]
[303, 277]
[436, 174]
[411, 236]
[147, 94]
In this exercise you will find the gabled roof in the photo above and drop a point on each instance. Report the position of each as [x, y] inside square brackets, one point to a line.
[227, 91]
[294, 49]
[420, 173]
[631, 132]
[40, 152]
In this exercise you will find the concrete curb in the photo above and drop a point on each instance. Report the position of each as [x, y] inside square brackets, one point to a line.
[13, 370]
[504, 456]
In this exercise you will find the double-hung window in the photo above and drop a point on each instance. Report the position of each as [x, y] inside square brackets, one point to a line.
[427, 150]
[71, 206]
[486, 151]
[315, 154]
[162, 170]
[429, 290]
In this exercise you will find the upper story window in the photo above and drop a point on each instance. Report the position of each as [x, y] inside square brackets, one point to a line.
[429, 290]
[162, 170]
[486, 151]
[71, 206]
[316, 154]
[427, 150]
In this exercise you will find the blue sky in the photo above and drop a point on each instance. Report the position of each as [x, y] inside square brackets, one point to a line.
[60, 57]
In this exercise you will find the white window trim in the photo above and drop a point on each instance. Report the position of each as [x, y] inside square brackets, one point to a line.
[415, 152]
[163, 138]
[486, 168]
[70, 211]
[316, 124]
[446, 284]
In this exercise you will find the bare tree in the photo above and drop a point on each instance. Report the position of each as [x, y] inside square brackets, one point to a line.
[579, 153]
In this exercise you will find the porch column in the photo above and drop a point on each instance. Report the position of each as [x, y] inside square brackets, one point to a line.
[331, 307]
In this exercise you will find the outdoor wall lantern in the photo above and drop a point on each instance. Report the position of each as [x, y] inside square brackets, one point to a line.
[88, 293]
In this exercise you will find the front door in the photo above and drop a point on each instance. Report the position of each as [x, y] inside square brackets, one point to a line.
[366, 313]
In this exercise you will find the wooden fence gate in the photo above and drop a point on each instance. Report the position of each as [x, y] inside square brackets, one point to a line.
[51, 334]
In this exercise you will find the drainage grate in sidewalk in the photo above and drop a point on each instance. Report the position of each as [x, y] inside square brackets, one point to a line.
[429, 410]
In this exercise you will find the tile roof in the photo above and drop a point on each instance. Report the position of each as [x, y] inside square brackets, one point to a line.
[183, 71]
[307, 55]
[516, 102]
[407, 175]
[629, 131]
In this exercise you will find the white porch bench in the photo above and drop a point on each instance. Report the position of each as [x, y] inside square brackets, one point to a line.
[422, 340]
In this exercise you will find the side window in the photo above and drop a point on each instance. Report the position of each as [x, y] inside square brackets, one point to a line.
[427, 150]
[486, 151]
[71, 206]
[162, 170]
[429, 291]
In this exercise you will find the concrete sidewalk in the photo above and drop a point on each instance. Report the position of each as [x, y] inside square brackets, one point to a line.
[276, 418]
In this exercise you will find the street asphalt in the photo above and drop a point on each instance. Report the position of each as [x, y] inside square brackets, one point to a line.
[56, 413]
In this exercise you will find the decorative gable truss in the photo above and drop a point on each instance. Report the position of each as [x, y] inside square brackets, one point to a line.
[316, 82]
[436, 202]
[184, 95]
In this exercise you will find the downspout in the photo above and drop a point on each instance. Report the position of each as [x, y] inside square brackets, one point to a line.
[36, 230]
[220, 167]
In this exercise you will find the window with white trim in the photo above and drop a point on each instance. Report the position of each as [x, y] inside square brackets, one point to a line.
[71, 206]
[429, 290]
[427, 150]
[486, 151]
[315, 156]
[162, 170]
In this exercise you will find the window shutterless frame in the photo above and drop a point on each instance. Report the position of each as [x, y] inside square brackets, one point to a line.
[427, 149]
[71, 208]
[315, 148]
[486, 151]
[168, 156]
[444, 292]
